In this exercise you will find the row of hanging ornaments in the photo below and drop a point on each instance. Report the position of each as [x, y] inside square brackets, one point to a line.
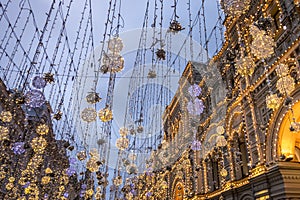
[112, 62]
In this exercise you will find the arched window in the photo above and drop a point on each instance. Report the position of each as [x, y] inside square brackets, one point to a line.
[244, 155]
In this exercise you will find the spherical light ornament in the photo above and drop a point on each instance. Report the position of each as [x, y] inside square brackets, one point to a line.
[4, 133]
[235, 7]
[221, 141]
[122, 143]
[273, 101]
[255, 31]
[34, 98]
[194, 90]
[223, 173]
[45, 180]
[118, 181]
[123, 132]
[42, 129]
[38, 144]
[262, 46]
[196, 145]
[6, 116]
[140, 129]
[105, 115]
[115, 45]
[89, 115]
[285, 85]
[220, 130]
[39, 82]
[282, 70]
[196, 107]
[92, 164]
[245, 66]
[114, 62]
[18, 148]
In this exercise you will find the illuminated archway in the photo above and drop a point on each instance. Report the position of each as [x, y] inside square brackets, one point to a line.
[178, 191]
[288, 141]
[280, 140]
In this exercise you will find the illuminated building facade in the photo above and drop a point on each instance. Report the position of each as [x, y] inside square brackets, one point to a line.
[247, 145]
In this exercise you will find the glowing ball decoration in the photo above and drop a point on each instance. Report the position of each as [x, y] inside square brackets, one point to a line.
[273, 101]
[114, 62]
[34, 98]
[118, 181]
[105, 115]
[122, 143]
[285, 85]
[140, 129]
[115, 45]
[196, 145]
[235, 7]
[245, 66]
[92, 164]
[4, 133]
[195, 107]
[42, 129]
[6, 116]
[123, 131]
[18, 148]
[38, 144]
[262, 45]
[89, 115]
[39, 82]
[282, 70]
[194, 90]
